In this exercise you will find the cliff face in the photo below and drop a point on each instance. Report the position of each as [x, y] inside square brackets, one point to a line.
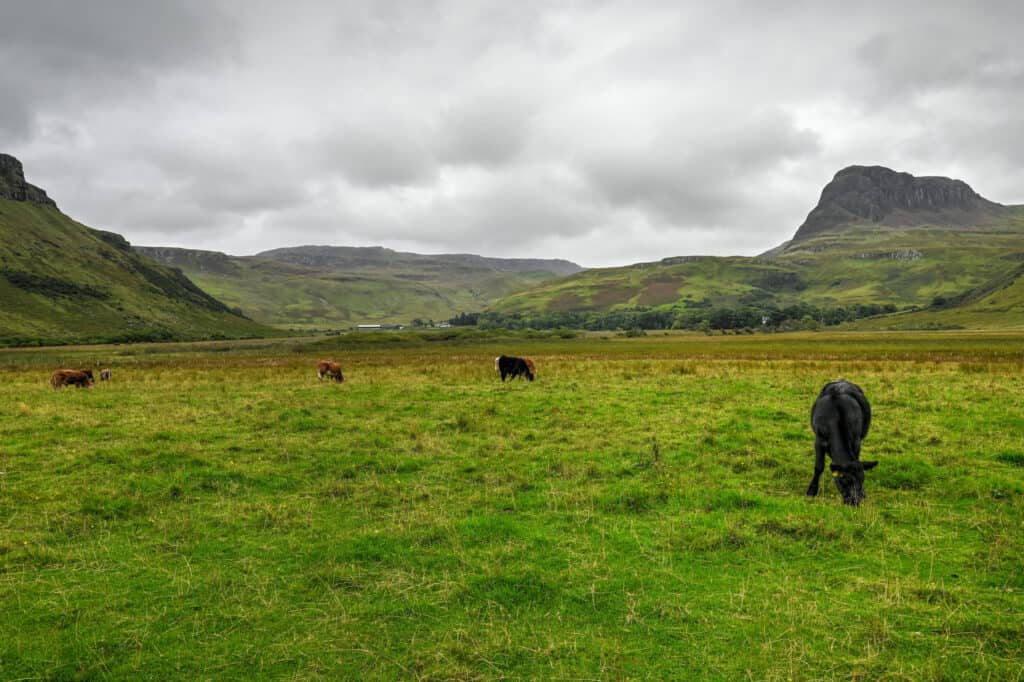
[863, 195]
[13, 185]
[63, 282]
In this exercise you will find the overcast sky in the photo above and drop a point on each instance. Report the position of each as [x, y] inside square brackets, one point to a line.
[601, 132]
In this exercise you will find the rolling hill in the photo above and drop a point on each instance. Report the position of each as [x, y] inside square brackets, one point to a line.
[876, 237]
[63, 282]
[320, 287]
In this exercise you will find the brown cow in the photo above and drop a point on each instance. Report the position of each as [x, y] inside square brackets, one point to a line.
[529, 363]
[329, 369]
[71, 377]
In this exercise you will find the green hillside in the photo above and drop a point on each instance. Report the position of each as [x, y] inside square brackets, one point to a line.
[864, 264]
[318, 287]
[890, 254]
[62, 282]
[999, 304]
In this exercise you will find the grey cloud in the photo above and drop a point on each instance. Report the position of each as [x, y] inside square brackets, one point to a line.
[591, 131]
[15, 114]
[488, 129]
[63, 59]
[378, 154]
[60, 36]
[903, 68]
[693, 174]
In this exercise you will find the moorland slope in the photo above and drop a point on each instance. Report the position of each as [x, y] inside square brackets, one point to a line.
[63, 282]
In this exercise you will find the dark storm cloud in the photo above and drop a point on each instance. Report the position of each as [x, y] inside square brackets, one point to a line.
[113, 35]
[601, 132]
[83, 54]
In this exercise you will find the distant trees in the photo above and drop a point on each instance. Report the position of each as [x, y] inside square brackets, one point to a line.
[700, 317]
[464, 320]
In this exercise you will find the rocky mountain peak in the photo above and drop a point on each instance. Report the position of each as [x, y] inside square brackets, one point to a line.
[865, 195]
[13, 185]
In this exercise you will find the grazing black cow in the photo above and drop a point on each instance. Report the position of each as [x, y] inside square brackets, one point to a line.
[840, 418]
[512, 367]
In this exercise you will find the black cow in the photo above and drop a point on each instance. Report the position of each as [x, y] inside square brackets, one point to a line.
[512, 367]
[840, 418]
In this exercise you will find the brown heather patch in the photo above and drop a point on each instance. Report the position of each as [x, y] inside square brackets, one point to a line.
[660, 292]
[610, 296]
[565, 302]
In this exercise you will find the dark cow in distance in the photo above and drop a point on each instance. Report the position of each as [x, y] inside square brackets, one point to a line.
[512, 367]
[841, 417]
[329, 369]
[71, 377]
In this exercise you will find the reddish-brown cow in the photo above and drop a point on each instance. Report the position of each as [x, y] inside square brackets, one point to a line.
[71, 377]
[329, 369]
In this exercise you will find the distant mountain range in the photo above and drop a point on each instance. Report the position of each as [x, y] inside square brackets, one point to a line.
[63, 282]
[930, 247]
[329, 287]
[875, 237]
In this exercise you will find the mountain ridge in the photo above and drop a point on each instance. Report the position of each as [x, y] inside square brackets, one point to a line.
[354, 256]
[328, 287]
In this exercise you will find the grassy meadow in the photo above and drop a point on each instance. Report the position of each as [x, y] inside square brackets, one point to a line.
[636, 513]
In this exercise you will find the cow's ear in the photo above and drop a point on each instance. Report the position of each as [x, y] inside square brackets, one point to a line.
[869, 465]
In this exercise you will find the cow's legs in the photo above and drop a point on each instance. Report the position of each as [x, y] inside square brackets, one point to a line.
[819, 465]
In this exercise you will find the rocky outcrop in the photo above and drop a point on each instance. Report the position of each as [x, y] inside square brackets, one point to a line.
[866, 195]
[190, 259]
[13, 185]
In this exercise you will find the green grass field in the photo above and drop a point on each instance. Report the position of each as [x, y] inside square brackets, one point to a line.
[636, 513]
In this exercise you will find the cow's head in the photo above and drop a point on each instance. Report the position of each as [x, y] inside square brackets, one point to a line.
[849, 478]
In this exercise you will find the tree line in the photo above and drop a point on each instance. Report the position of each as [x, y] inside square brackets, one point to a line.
[765, 317]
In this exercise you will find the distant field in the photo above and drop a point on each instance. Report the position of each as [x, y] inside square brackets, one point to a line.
[636, 513]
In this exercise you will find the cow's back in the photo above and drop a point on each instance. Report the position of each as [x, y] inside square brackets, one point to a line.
[847, 390]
